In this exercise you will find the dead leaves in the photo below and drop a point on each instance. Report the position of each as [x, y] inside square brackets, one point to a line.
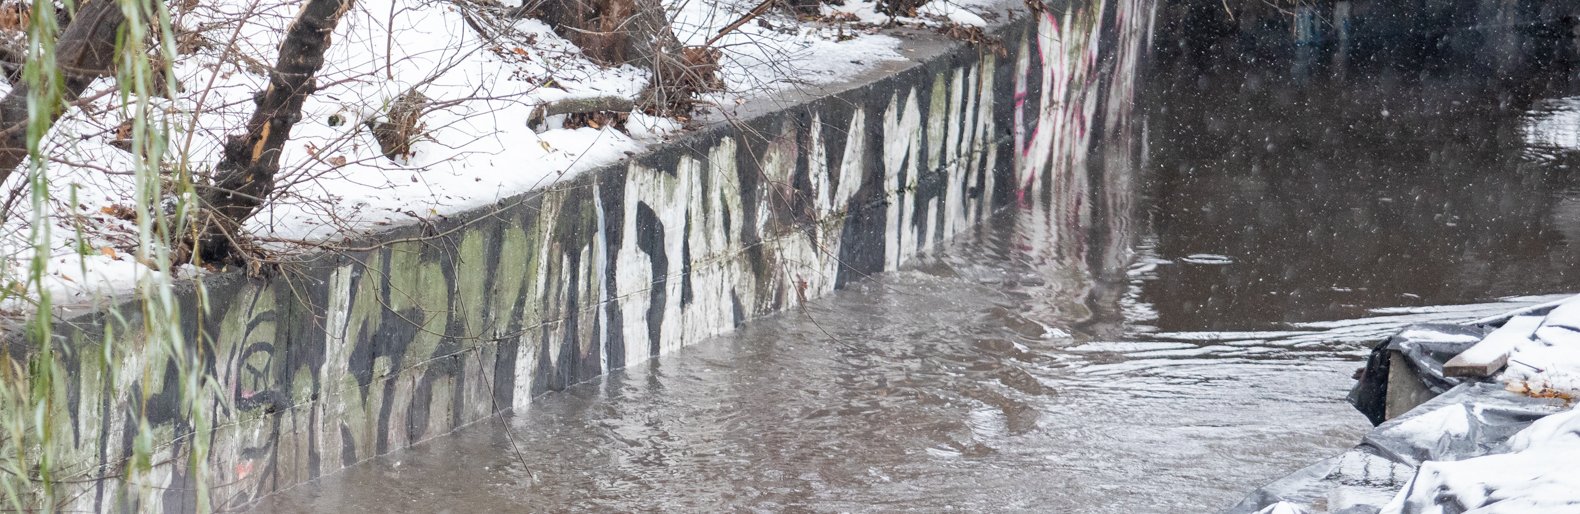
[402, 127]
[841, 17]
[975, 36]
[313, 151]
[1539, 391]
[14, 16]
[120, 212]
[597, 120]
[122, 138]
[703, 64]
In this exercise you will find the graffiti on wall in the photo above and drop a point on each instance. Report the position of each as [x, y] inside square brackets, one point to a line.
[355, 355]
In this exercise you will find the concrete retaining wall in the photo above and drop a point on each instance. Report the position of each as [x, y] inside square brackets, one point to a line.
[345, 356]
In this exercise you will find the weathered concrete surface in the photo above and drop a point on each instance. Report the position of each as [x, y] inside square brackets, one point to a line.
[1405, 390]
[345, 356]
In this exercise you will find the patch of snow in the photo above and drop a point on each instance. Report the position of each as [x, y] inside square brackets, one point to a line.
[775, 51]
[952, 12]
[1558, 430]
[863, 12]
[1433, 336]
[1446, 422]
[935, 13]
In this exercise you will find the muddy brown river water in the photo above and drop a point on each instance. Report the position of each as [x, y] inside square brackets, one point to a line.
[1188, 341]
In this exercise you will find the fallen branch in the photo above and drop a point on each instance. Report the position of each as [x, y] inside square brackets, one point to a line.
[578, 106]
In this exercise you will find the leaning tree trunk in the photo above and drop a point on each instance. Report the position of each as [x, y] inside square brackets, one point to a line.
[245, 174]
[635, 32]
[84, 52]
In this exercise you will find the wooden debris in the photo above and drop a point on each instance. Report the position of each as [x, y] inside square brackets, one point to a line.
[1492, 353]
[603, 110]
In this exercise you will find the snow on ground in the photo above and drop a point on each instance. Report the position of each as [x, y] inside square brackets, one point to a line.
[776, 51]
[476, 146]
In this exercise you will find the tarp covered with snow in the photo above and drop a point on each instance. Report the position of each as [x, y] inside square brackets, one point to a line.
[1467, 421]
[1505, 444]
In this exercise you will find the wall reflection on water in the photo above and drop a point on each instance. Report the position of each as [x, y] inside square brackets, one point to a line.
[1078, 237]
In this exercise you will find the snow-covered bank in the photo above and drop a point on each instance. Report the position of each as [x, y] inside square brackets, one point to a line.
[1505, 443]
[481, 79]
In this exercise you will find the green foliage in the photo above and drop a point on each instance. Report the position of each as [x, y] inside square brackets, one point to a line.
[33, 416]
[27, 402]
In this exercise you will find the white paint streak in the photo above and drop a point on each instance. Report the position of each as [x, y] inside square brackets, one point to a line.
[901, 133]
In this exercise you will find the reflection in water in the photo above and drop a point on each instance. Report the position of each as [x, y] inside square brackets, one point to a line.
[1188, 341]
[1552, 129]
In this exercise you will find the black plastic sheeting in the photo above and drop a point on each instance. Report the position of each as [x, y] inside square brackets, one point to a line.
[1492, 415]
[1426, 347]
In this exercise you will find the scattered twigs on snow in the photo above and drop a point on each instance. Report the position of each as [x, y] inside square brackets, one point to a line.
[976, 37]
